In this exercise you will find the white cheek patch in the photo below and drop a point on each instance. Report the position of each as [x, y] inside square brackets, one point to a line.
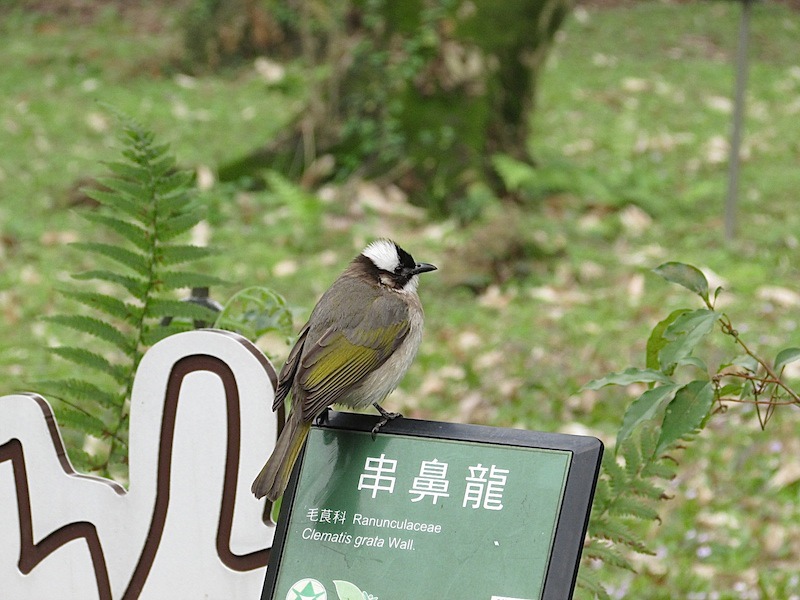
[383, 255]
[411, 286]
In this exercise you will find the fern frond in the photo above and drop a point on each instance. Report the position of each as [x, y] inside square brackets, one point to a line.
[628, 506]
[646, 488]
[632, 455]
[126, 170]
[648, 442]
[96, 328]
[626, 492]
[176, 280]
[80, 390]
[147, 203]
[127, 258]
[138, 236]
[591, 585]
[86, 358]
[161, 164]
[617, 475]
[106, 304]
[153, 335]
[174, 204]
[615, 530]
[129, 206]
[608, 554]
[171, 207]
[178, 181]
[131, 191]
[602, 494]
[179, 309]
[177, 254]
[661, 469]
[172, 227]
[135, 286]
[70, 418]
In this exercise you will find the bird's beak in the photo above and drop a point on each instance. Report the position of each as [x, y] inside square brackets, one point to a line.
[423, 268]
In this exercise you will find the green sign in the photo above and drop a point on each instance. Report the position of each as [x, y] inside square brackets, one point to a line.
[427, 510]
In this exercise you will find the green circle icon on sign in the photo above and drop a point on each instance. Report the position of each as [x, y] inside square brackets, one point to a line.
[307, 589]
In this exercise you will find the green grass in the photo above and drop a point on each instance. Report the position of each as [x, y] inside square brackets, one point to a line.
[629, 101]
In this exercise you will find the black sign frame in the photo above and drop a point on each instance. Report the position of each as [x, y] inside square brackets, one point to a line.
[573, 518]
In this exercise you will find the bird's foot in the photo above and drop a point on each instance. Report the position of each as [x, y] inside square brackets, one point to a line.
[322, 417]
[386, 416]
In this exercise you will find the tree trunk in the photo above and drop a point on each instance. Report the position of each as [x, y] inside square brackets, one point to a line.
[423, 92]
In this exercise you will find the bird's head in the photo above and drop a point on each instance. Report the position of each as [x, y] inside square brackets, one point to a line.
[392, 266]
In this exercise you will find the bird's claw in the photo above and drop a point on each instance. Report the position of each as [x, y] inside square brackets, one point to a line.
[322, 417]
[386, 416]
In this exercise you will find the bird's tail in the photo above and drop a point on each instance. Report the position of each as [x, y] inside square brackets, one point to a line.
[274, 477]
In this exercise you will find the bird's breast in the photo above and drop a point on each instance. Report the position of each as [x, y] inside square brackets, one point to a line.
[383, 380]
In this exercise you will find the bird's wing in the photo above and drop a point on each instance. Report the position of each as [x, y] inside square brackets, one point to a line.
[289, 369]
[343, 357]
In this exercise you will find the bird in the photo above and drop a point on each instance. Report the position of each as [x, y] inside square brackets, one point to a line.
[359, 341]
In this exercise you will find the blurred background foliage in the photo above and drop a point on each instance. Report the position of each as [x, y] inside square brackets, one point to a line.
[545, 183]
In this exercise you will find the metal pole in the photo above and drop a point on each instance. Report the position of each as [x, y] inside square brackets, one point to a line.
[738, 117]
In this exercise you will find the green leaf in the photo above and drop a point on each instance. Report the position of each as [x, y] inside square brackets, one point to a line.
[632, 455]
[694, 361]
[127, 258]
[163, 164]
[90, 360]
[254, 312]
[347, 591]
[731, 389]
[588, 582]
[616, 531]
[177, 254]
[688, 276]
[74, 419]
[629, 506]
[179, 180]
[646, 489]
[153, 335]
[617, 475]
[127, 170]
[106, 304]
[686, 413]
[134, 191]
[683, 335]
[659, 468]
[175, 280]
[95, 328]
[606, 553]
[84, 392]
[116, 201]
[140, 237]
[175, 203]
[173, 226]
[786, 356]
[657, 341]
[135, 286]
[179, 309]
[644, 409]
[627, 377]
